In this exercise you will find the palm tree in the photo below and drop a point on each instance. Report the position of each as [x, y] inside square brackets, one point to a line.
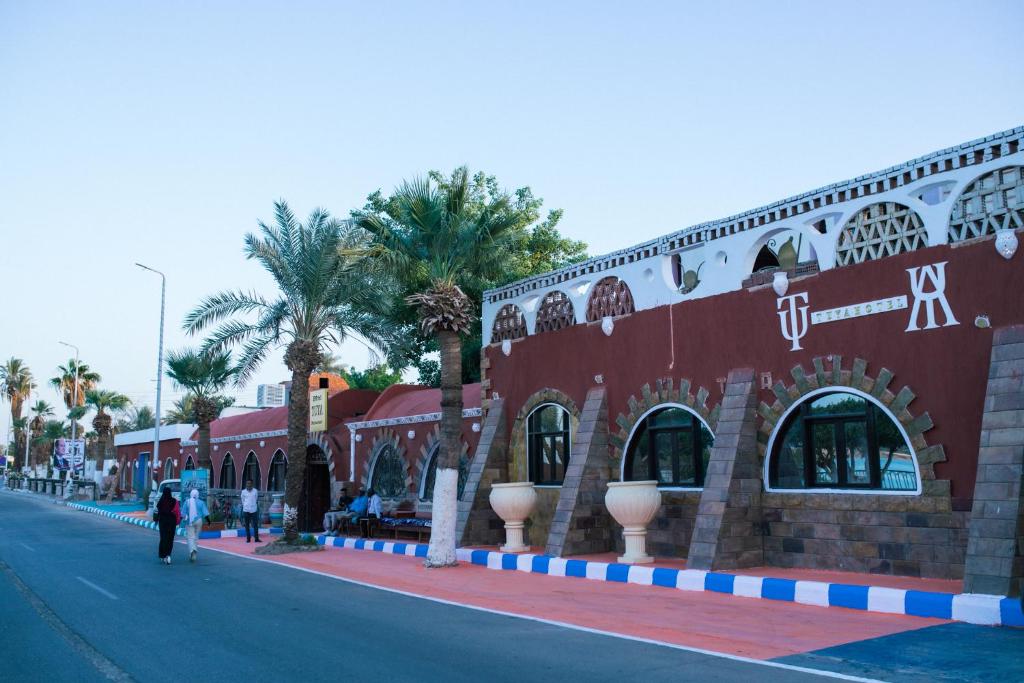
[64, 382]
[41, 410]
[327, 292]
[102, 400]
[432, 243]
[204, 376]
[20, 425]
[134, 419]
[332, 364]
[16, 383]
[51, 431]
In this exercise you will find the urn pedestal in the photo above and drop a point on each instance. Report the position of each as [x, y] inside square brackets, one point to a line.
[513, 503]
[634, 504]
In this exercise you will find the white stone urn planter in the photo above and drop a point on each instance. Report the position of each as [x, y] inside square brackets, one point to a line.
[634, 504]
[513, 503]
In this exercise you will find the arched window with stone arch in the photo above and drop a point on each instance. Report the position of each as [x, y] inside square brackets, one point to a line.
[555, 313]
[670, 444]
[994, 201]
[426, 492]
[610, 298]
[276, 473]
[227, 472]
[190, 464]
[251, 470]
[548, 444]
[510, 323]
[880, 230]
[839, 439]
[387, 472]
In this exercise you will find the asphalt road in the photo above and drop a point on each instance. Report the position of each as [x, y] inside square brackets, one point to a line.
[83, 598]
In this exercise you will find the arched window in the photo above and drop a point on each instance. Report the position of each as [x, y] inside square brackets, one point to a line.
[251, 470]
[610, 298]
[510, 323]
[555, 312]
[878, 231]
[168, 468]
[278, 469]
[190, 464]
[995, 201]
[670, 445]
[430, 473]
[547, 443]
[387, 476]
[841, 440]
[227, 472]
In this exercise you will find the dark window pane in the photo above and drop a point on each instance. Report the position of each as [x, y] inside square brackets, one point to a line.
[638, 463]
[790, 472]
[858, 471]
[670, 417]
[687, 474]
[663, 456]
[826, 464]
[837, 404]
[894, 455]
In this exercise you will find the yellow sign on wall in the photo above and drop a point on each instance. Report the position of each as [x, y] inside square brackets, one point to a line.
[318, 410]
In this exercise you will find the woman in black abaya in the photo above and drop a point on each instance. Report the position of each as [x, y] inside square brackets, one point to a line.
[168, 514]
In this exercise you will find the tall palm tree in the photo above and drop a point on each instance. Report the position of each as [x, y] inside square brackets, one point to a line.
[17, 383]
[432, 243]
[136, 418]
[41, 410]
[101, 401]
[204, 376]
[327, 292]
[20, 427]
[64, 382]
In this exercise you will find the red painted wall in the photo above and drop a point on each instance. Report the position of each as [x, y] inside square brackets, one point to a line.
[947, 367]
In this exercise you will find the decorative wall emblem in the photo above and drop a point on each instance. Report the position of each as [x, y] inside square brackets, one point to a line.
[935, 275]
[793, 318]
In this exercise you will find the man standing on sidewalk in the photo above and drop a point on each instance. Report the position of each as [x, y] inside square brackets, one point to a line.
[250, 511]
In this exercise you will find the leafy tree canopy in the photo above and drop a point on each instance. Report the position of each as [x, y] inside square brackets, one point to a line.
[376, 378]
[536, 247]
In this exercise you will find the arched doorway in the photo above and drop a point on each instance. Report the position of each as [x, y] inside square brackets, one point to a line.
[316, 490]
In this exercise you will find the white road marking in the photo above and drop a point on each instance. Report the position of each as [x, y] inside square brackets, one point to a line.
[26, 547]
[563, 624]
[92, 585]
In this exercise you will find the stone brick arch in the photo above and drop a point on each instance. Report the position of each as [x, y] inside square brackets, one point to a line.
[611, 297]
[518, 467]
[387, 437]
[664, 391]
[423, 460]
[833, 375]
[321, 440]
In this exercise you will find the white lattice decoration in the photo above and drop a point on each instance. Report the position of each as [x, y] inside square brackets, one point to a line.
[995, 201]
[878, 231]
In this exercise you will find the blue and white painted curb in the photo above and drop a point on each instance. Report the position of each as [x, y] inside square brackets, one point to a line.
[149, 524]
[986, 610]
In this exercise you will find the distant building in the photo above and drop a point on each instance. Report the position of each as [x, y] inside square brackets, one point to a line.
[270, 395]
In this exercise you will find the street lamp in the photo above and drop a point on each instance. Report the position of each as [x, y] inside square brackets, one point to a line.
[74, 400]
[159, 366]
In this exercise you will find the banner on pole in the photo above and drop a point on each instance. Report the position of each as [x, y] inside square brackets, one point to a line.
[69, 454]
[195, 479]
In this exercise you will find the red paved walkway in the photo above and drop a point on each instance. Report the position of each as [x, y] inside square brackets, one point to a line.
[761, 629]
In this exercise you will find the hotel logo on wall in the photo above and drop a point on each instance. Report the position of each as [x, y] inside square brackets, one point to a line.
[927, 287]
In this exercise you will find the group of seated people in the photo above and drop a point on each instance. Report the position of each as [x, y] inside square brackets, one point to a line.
[360, 510]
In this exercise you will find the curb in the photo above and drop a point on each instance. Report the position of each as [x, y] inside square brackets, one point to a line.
[972, 608]
[149, 524]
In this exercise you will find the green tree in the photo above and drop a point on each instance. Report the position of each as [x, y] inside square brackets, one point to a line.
[181, 411]
[16, 383]
[203, 376]
[40, 410]
[101, 401]
[376, 378]
[531, 246]
[434, 239]
[327, 291]
[135, 419]
[68, 375]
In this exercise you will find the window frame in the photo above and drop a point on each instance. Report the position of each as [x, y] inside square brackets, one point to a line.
[258, 481]
[372, 473]
[781, 427]
[234, 472]
[270, 471]
[696, 446]
[533, 453]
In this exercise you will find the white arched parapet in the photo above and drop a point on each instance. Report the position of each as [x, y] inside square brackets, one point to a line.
[762, 238]
[781, 424]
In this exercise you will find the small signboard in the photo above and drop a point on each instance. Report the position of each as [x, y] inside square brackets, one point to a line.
[318, 410]
[195, 479]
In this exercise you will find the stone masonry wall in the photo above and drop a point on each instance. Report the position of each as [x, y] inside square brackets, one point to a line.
[581, 524]
[477, 523]
[995, 549]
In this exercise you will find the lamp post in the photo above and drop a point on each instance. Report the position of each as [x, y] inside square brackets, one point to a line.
[159, 368]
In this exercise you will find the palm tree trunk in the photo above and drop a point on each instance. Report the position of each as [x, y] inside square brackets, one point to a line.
[302, 356]
[441, 552]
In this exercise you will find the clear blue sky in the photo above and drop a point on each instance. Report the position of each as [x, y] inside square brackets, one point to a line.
[160, 132]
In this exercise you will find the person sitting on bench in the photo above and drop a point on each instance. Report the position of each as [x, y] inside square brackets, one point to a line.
[373, 510]
[357, 507]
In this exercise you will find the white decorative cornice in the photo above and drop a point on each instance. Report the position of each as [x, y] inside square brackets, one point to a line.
[408, 419]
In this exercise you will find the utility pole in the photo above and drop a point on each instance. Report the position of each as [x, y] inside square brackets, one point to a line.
[159, 372]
